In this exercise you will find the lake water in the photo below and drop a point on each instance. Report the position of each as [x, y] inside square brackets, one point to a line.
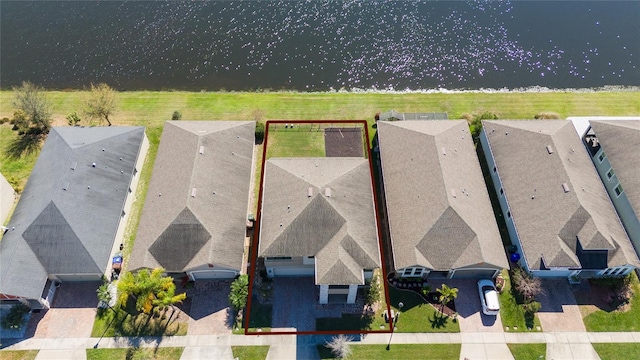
[320, 45]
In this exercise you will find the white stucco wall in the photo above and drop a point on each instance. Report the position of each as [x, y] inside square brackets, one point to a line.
[7, 198]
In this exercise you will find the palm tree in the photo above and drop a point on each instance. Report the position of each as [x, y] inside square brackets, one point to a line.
[239, 292]
[148, 289]
[447, 294]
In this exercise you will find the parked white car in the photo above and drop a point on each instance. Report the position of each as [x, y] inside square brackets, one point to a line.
[488, 297]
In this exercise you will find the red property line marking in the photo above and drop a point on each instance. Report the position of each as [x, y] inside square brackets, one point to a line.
[256, 236]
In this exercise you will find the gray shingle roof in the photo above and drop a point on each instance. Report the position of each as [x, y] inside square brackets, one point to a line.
[70, 231]
[550, 221]
[393, 115]
[440, 216]
[620, 140]
[179, 231]
[339, 230]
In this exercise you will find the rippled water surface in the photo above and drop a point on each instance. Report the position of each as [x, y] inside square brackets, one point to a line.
[320, 45]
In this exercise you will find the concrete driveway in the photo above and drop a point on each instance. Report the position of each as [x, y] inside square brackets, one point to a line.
[559, 312]
[71, 314]
[207, 307]
[470, 316]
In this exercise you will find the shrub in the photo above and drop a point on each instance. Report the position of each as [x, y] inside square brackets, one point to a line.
[239, 292]
[475, 121]
[373, 294]
[177, 115]
[339, 346]
[547, 115]
[532, 307]
[4, 120]
[73, 119]
[15, 319]
[259, 132]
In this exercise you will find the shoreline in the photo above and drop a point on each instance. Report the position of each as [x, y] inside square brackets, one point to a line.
[520, 90]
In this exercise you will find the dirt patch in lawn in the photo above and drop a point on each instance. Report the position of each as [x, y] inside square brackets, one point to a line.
[343, 142]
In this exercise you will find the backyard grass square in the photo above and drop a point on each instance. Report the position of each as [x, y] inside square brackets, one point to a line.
[528, 351]
[250, 352]
[618, 351]
[511, 311]
[304, 140]
[628, 320]
[398, 351]
[164, 353]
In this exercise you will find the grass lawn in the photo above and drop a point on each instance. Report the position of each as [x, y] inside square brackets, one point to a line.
[616, 320]
[416, 315]
[250, 352]
[139, 325]
[297, 142]
[528, 351]
[153, 135]
[511, 313]
[260, 316]
[161, 353]
[18, 354]
[16, 171]
[398, 351]
[618, 351]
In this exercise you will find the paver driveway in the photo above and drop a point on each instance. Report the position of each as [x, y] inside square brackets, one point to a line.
[559, 312]
[470, 316]
[71, 314]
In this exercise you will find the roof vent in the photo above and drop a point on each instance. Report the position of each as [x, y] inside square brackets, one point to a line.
[66, 186]
[94, 164]
[102, 149]
[444, 151]
[193, 192]
[453, 192]
[201, 150]
[549, 149]
[327, 192]
[310, 192]
[75, 164]
[565, 187]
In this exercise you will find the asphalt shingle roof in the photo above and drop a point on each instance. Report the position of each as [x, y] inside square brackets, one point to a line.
[69, 212]
[339, 230]
[195, 212]
[440, 216]
[620, 140]
[534, 159]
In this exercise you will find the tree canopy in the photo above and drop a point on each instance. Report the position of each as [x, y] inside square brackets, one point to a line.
[32, 119]
[101, 102]
[150, 289]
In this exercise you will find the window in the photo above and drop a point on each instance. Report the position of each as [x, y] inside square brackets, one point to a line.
[495, 169]
[610, 174]
[501, 191]
[413, 271]
[278, 258]
[509, 214]
[618, 190]
[342, 287]
[407, 271]
[601, 157]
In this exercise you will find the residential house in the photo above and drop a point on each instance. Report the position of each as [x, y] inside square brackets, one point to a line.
[318, 219]
[441, 223]
[7, 197]
[194, 219]
[558, 214]
[614, 147]
[71, 216]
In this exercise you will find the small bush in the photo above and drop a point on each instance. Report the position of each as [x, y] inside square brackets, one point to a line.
[532, 307]
[259, 132]
[547, 115]
[177, 115]
[339, 346]
[373, 294]
[73, 119]
[4, 120]
[239, 292]
[15, 319]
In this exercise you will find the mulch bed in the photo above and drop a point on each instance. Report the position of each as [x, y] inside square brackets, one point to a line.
[343, 142]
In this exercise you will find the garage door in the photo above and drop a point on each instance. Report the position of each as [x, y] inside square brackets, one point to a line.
[473, 273]
[78, 277]
[213, 274]
[293, 271]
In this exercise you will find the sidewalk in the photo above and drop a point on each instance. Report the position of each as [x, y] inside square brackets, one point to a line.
[289, 344]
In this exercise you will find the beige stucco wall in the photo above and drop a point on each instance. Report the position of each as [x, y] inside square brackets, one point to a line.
[7, 199]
